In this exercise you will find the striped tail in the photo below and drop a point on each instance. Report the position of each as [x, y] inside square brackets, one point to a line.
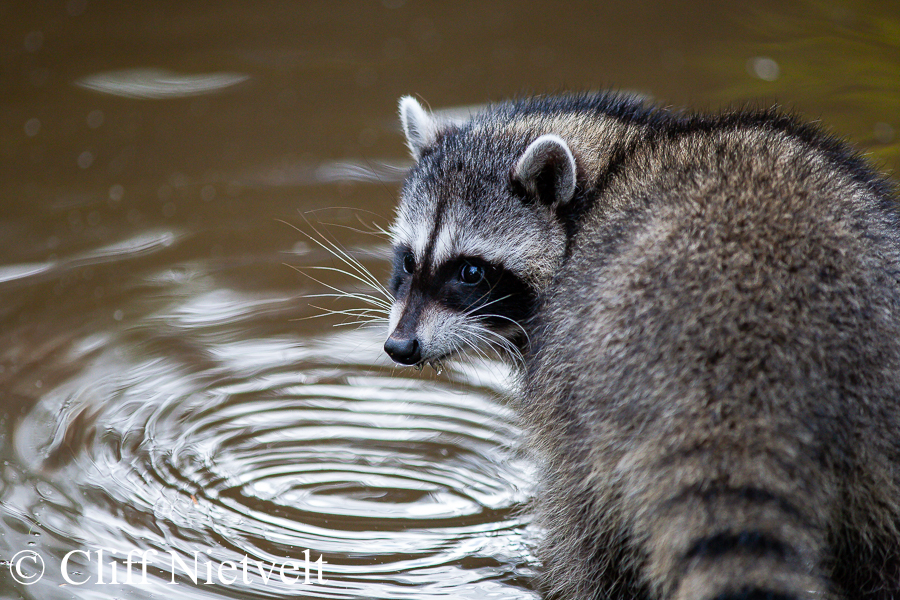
[728, 541]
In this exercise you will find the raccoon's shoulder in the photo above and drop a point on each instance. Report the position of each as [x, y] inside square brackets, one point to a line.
[783, 132]
[696, 196]
[624, 106]
[743, 163]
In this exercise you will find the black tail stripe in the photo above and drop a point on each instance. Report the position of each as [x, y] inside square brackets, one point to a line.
[756, 543]
[755, 594]
[750, 494]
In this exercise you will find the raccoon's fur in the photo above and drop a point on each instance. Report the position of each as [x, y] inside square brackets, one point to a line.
[706, 309]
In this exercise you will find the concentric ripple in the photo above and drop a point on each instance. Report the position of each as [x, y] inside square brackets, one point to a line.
[179, 436]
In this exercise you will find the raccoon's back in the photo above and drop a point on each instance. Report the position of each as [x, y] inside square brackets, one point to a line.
[715, 385]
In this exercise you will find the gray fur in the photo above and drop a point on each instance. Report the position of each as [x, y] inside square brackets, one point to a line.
[711, 364]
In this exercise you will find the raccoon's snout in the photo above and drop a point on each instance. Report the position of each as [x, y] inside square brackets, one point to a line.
[404, 350]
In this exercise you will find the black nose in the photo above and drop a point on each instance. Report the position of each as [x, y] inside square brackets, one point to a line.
[405, 351]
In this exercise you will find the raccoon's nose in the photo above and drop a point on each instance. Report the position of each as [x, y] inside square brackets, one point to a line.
[405, 351]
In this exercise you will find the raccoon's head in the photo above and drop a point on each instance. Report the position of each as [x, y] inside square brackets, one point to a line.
[479, 233]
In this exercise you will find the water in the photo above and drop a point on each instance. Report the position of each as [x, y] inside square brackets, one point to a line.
[168, 170]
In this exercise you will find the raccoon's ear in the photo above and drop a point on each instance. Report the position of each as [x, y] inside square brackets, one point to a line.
[420, 127]
[547, 170]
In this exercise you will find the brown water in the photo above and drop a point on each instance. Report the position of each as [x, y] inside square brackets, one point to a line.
[161, 387]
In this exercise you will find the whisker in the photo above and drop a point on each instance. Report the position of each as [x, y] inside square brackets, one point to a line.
[327, 312]
[371, 322]
[469, 343]
[355, 265]
[378, 305]
[479, 333]
[373, 230]
[480, 354]
[355, 209]
[353, 312]
[511, 320]
[480, 306]
[381, 230]
[341, 293]
[373, 301]
[335, 270]
[364, 275]
[363, 316]
[503, 343]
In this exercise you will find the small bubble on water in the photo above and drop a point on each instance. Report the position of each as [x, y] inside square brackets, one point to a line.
[764, 68]
[32, 127]
[118, 315]
[884, 133]
[208, 192]
[85, 159]
[164, 192]
[95, 119]
[116, 192]
[34, 41]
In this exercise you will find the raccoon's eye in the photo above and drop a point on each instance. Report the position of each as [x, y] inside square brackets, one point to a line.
[409, 263]
[471, 274]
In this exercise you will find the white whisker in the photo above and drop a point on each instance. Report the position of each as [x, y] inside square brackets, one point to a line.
[371, 300]
[352, 263]
[477, 307]
[347, 273]
[340, 293]
[499, 342]
[361, 324]
[359, 271]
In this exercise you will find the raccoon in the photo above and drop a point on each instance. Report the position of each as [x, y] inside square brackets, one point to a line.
[703, 310]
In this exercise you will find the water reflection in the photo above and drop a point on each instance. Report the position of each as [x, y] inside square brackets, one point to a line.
[267, 447]
[141, 244]
[158, 83]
